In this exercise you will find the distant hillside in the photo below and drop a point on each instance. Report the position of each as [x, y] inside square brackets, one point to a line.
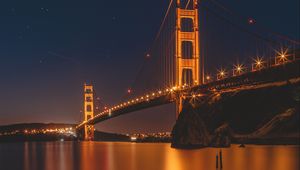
[37, 132]
[23, 126]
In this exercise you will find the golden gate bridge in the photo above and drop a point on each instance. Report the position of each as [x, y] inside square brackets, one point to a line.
[174, 69]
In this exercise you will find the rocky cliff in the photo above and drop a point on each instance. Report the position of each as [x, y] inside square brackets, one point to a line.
[261, 114]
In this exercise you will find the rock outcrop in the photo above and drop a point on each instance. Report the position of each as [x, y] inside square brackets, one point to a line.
[264, 114]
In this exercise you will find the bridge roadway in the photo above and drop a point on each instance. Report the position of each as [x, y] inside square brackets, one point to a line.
[272, 74]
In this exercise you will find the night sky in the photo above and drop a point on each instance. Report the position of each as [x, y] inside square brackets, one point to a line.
[49, 48]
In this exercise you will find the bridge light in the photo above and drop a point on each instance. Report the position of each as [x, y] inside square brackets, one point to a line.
[147, 96]
[238, 69]
[159, 92]
[282, 56]
[167, 90]
[194, 96]
[258, 64]
[142, 98]
[207, 78]
[153, 94]
[137, 99]
[221, 74]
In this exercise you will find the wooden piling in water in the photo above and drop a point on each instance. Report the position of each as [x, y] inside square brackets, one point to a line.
[217, 161]
[221, 162]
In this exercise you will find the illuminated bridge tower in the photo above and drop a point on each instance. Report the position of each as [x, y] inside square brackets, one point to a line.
[88, 111]
[187, 48]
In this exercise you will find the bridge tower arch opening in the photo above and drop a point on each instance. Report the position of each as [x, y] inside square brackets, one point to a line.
[187, 59]
[187, 76]
[88, 111]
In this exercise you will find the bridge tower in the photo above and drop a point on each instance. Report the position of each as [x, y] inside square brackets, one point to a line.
[88, 111]
[187, 64]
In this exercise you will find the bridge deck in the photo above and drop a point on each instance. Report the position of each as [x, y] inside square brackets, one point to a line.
[272, 74]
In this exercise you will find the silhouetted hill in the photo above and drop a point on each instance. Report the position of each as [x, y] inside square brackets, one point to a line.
[37, 132]
[23, 126]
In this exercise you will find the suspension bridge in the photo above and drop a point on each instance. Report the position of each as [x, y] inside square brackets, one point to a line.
[177, 68]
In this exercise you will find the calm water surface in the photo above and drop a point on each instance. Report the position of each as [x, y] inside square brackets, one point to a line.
[144, 156]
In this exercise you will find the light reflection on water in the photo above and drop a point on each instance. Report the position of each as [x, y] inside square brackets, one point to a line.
[146, 156]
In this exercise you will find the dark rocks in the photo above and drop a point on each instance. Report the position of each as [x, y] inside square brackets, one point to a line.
[221, 137]
[247, 115]
[191, 132]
